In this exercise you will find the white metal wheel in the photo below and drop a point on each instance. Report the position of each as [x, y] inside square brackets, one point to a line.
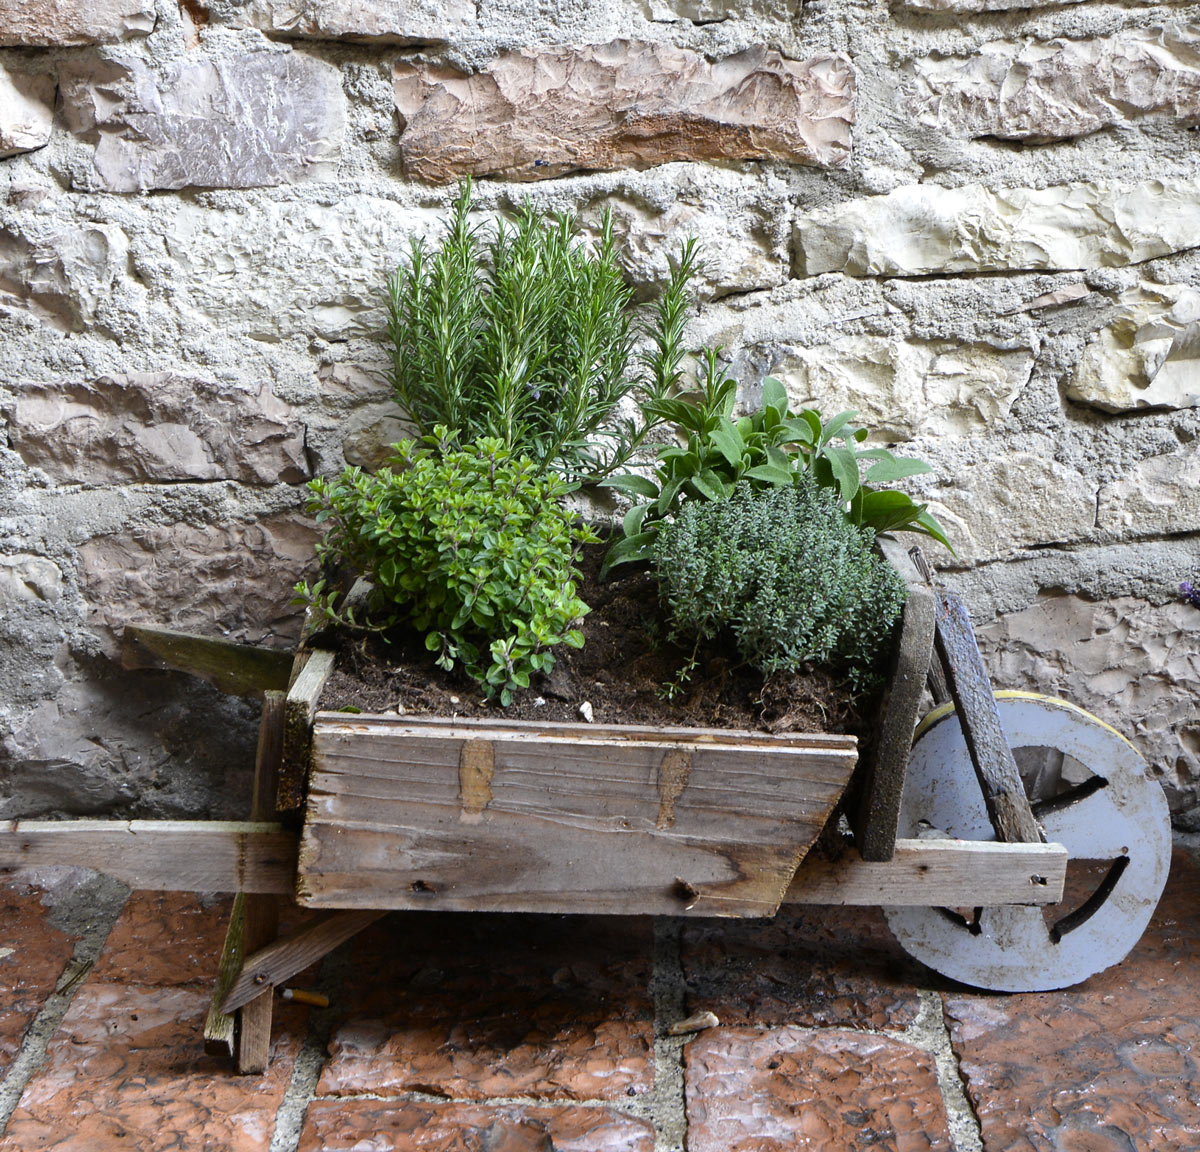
[1090, 793]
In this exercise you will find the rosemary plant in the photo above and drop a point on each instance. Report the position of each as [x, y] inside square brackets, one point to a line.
[522, 332]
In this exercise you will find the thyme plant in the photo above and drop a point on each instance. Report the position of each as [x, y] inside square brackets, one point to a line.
[782, 573]
[522, 332]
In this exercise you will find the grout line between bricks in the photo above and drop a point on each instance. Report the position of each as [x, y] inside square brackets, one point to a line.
[929, 1032]
[90, 911]
[306, 1072]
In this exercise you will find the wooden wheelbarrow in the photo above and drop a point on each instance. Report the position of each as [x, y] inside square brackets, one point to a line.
[966, 848]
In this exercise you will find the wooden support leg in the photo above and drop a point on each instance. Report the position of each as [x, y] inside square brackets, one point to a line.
[261, 921]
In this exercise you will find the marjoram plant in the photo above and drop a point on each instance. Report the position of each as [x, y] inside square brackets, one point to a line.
[772, 447]
[472, 546]
[523, 332]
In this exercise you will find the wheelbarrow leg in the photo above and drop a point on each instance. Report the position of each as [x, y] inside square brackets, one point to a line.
[246, 1034]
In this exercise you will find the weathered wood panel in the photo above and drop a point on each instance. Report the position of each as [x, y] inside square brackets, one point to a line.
[159, 855]
[936, 873]
[237, 669]
[311, 671]
[560, 818]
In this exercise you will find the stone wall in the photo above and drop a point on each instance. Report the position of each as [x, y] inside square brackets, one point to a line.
[976, 221]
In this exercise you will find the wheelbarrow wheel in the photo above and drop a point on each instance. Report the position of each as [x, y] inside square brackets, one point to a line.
[1090, 793]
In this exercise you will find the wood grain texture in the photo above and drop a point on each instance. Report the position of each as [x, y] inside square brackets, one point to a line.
[936, 873]
[237, 669]
[283, 958]
[220, 1028]
[878, 815]
[311, 670]
[592, 819]
[160, 855]
[995, 767]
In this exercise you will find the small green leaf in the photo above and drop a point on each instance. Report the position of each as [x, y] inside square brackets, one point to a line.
[769, 474]
[632, 485]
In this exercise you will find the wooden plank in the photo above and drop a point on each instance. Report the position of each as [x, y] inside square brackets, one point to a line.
[220, 1028]
[237, 669]
[417, 816]
[283, 958]
[160, 855]
[937, 873]
[313, 669]
[878, 817]
[261, 919]
[995, 766]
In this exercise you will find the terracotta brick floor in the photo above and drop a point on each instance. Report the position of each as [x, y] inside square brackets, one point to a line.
[533, 1034]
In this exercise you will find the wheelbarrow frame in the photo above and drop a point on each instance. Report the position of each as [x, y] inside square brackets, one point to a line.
[257, 859]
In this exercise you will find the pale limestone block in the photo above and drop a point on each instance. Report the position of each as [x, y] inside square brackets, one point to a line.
[1053, 90]
[26, 111]
[1158, 496]
[902, 389]
[1133, 664]
[713, 11]
[742, 233]
[626, 104]
[62, 273]
[371, 433]
[58, 23]
[157, 428]
[26, 577]
[970, 6]
[925, 229]
[252, 121]
[387, 21]
[328, 264]
[1147, 357]
[228, 579]
[1011, 501]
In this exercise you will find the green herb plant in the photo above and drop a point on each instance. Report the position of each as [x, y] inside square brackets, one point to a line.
[472, 546]
[728, 569]
[522, 332]
[771, 447]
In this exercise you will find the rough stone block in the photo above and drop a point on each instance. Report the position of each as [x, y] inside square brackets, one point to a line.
[715, 11]
[25, 577]
[533, 115]
[965, 6]
[482, 1006]
[158, 428]
[1053, 90]
[1159, 495]
[328, 264]
[928, 230]
[742, 228]
[388, 21]
[251, 121]
[135, 738]
[26, 111]
[58, 23]
[903, 389]
[396, 1126]
[1129, 662]
[230, 579]
[1148, 356]
[62, 273]
[795, 1088]
[1012, 500]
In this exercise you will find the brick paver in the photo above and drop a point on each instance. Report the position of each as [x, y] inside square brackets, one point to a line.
[33, 953]
[810, 966]
[474, 1006]
[1108, 1066]
[796, 1088]
[385, 1126]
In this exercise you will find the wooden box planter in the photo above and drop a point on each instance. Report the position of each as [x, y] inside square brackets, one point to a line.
[524, 817]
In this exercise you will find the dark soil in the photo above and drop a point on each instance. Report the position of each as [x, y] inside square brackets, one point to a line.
[620, 672]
